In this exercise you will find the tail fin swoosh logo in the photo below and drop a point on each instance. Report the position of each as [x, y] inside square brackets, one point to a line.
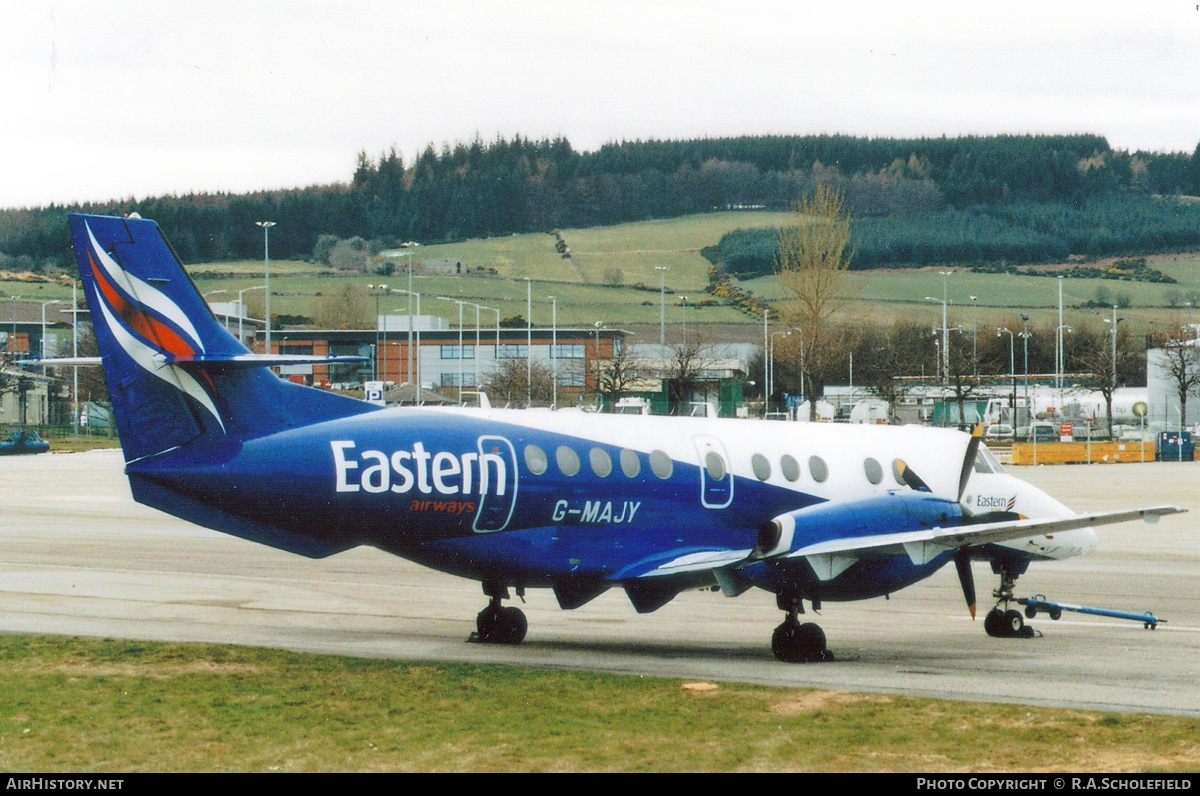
[141, 335]
[129, 297]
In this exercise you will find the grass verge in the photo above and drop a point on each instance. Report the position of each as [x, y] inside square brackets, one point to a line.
[87, 705]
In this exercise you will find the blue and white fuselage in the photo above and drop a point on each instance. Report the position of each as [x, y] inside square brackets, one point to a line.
[535, 497]
[572, 501]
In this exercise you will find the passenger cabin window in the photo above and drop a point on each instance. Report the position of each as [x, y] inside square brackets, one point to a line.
[661, 464]
[567, 459]
[761, 466]
[789, 467]
[715, 466]
[873, 470]
[601, 462]
[631, 465]
[535, 459]
[818, 468]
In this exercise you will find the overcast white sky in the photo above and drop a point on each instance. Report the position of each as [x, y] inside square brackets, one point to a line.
[138, 98]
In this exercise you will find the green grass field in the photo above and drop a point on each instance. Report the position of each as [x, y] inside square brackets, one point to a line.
[637, 249]
[97, 706]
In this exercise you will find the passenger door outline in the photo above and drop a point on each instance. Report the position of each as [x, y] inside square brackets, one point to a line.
[498, 501]
[714, 494]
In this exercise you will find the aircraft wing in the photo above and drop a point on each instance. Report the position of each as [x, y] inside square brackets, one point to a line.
[921, 546]
[925, 545]
[685, 563]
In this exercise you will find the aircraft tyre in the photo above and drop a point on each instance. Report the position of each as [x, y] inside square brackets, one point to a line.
[1014, 623]
[993, 623]
[501, 625]
[793, 642]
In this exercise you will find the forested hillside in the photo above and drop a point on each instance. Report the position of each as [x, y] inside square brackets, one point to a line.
[1000, 235]
[1024, 191]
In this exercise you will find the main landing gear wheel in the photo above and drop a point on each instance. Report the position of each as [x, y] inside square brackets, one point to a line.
[793, 642]
[498, 624]
[501, 625]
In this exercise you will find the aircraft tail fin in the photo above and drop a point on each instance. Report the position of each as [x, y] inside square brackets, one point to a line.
[174, 373]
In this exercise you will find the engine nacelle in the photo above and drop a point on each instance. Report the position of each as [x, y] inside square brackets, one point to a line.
[890, 512]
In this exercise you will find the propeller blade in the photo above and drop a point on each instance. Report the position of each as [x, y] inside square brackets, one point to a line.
[962, 562]
[969, 460]
[908, 476]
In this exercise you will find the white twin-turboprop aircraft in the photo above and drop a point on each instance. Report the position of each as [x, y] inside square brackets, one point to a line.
[574, 502]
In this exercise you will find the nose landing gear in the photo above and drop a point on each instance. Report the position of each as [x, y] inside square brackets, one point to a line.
[1006, 622]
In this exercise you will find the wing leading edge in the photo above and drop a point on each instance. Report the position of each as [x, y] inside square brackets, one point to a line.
[830, 558]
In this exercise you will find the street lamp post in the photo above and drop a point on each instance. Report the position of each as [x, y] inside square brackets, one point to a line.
[766, 360]
[945, 325]
[528, 343]
[242, 307]
[266, 228]
[475, 358]
[460, 342]
[410, 310]
[417, 356]
[944, 347]
[662, 302]
[1062, 358]
[46, 405]
[75, 353]
[44, 305]
[1012, 371]
[380, 290]
[974, 334]
[771, 363]
[554, 350]
[1025, 335]
[1058, 340]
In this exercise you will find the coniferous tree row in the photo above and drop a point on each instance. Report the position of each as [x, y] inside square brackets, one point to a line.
[523, 185]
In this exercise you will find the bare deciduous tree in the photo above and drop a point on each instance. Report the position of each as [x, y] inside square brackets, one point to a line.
[618, 377]
[345, 307]
[515, 381]
[1181, 360]
[685, 370]
[811, 264]
[1107, 370]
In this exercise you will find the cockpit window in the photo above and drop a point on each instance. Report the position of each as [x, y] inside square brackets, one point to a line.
[986, 461]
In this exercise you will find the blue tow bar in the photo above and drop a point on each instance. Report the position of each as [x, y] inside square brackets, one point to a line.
[1039, 603]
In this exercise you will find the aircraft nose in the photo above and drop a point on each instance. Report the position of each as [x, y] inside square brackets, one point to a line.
[1088, 539]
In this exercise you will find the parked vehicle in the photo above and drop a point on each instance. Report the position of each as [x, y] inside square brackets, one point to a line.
[1041, 431]
[998, 431]
[22, 440]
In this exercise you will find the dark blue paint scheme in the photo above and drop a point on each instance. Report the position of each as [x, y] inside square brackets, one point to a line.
[236, 449]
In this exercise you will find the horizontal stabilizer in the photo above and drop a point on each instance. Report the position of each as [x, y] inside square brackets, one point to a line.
[62, 362]
[214, 362]
[240, 361]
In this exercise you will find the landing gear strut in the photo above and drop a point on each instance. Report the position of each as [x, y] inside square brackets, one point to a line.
[498, 624]
[1006, 622]
[793, 642]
